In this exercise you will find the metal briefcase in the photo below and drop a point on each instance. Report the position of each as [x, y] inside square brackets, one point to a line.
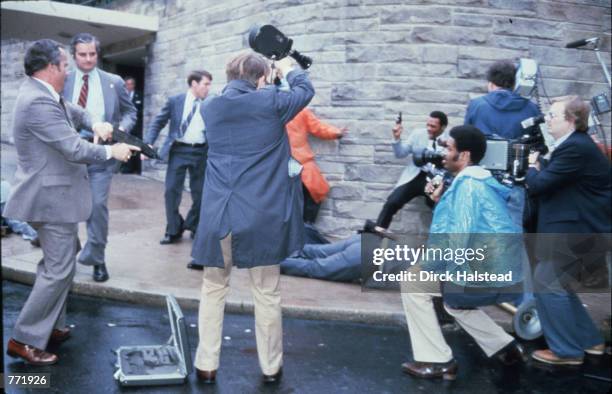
[154, 365]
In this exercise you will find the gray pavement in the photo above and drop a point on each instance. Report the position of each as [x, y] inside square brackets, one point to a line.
[320, 357]
[143, 271]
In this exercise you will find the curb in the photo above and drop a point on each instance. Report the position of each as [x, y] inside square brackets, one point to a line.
[159, 299]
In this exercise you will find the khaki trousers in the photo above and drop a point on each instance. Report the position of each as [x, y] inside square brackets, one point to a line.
[265, 287]
[428, 344]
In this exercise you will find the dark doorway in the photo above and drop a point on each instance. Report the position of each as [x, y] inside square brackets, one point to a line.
[133, 166]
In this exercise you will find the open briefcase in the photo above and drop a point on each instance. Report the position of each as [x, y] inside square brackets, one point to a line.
[154, 365]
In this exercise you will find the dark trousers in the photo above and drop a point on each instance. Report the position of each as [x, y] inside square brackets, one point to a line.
[311, 208]
[400, 197]
[182, 159]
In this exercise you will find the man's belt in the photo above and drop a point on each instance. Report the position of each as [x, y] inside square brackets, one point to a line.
[179, 143]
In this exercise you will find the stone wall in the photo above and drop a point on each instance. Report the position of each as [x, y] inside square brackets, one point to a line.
[372, 58]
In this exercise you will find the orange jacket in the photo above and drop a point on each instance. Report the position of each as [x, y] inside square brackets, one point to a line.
[306, 122]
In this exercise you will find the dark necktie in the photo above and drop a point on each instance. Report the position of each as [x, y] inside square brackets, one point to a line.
[187, 121]
[84, 91]
[434, 144]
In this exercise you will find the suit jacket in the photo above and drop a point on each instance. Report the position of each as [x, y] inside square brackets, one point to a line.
[247, 189]
[173, 112]
[118, 108]
[417, 139]
[574, 190]
[51, 180]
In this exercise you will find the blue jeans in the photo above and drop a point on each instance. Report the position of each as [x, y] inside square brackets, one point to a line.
[568, 327]
[338, 261]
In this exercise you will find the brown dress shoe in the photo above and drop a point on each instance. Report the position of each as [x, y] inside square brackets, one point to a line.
[59, 335]
[273, 378]
[446, 371]
[206, 376]
[548, 357]
[29, 353]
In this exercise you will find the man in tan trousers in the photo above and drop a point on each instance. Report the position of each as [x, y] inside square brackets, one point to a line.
[474, 203]
[251, 204]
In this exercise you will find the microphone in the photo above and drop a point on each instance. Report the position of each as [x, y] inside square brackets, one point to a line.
[583, 42]
[533, 121]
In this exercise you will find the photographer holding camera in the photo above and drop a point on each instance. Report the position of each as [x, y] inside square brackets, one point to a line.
[475, 203]
[251, 204]
[574, 194]
[413, 179]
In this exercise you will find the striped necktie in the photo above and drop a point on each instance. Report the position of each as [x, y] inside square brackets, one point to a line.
[84, 91]
[187, 120]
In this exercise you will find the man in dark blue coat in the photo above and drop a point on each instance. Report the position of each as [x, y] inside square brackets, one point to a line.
[500, 112]
[574, 195]
[252, 216]
[184, 149]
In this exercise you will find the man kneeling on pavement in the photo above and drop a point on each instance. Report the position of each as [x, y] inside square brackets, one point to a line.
[473, 208]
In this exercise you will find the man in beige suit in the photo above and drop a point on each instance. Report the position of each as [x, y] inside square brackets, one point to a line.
[51, 193]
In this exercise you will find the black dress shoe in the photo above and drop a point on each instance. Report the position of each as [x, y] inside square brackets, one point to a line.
[35, 242]
[194, 266]
[511, 354]
[446, 371]
[273, 378]
[170, 239]
[100, 274]
[207, 377]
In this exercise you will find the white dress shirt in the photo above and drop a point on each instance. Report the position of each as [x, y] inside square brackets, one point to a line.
[195, 131]
[95, 96]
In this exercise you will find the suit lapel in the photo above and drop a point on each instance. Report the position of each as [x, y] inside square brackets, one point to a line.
[180, 107]
[69, 86]
[107, 92]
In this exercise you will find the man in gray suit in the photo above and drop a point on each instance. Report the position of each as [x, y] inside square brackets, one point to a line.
[51, 193]
[104, 96]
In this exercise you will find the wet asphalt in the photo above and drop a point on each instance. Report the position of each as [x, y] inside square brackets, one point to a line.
[319, 356]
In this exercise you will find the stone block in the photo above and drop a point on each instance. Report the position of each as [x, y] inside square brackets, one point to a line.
[347, 191]
[425, 15]
[372, 173]
[381, 53]
[469, 68]
[450, 35]
[490, 53]
[509, 42]
[331, 168]
[470, 20]
[527, 28]
[356, 150]
[356, 209]
[514, 5]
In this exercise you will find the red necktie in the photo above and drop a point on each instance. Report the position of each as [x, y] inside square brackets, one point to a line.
[84, 91]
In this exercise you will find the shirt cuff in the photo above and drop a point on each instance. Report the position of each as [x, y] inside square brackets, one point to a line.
[109, 152]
